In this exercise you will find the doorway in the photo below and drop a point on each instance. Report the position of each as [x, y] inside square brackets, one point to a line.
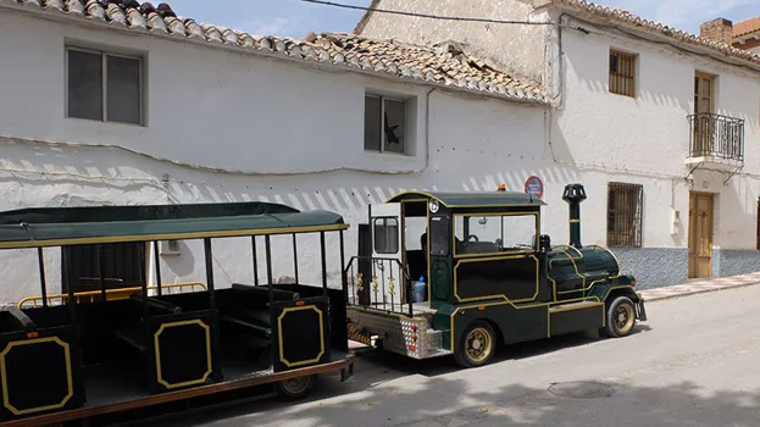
[700, 235]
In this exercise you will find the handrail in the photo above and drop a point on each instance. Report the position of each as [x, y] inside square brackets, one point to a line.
[111, 294]
[380, 286]
[716, 135]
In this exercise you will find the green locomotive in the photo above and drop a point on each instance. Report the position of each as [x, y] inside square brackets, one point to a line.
[462, 273]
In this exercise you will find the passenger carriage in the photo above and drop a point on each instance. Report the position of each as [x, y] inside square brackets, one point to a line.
[462, 273]
[87, 354]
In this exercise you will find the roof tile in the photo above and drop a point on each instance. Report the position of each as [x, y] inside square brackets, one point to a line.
[441, 65]
[747, 27]
[620, 16]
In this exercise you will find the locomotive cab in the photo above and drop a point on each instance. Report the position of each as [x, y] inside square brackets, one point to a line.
[461, 273]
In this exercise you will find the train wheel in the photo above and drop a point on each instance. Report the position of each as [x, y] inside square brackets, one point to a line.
[295, 388]
[621, 317]
[477, 347]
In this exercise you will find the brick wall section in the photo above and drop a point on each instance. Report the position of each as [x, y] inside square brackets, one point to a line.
[749, 44]
[719, 30]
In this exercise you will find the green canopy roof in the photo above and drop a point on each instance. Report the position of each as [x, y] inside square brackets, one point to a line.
[474, 199]
[38, 227]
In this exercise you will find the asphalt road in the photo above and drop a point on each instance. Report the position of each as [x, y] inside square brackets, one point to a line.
[695, 363]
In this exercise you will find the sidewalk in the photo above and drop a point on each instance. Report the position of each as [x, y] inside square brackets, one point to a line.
[693, 288]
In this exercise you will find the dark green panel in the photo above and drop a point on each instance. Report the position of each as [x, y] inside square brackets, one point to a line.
[300, 334]
[42, 373]
[570, 321]
[516, 324]
[514, 278]
[184, 349]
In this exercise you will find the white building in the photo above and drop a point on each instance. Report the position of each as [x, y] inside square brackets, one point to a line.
[128, 106]
[107, 106]
[671, 116]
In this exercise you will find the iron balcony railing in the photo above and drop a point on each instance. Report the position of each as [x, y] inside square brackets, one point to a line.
[716, 136]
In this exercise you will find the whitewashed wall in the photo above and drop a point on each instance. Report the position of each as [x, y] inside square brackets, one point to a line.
[220, 109]
[608, 137]
[646, 139]
[520, 48]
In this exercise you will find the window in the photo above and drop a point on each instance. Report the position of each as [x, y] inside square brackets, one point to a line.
[622, 73]
[386, 235]
[440, 235]
[104, 86]
[385, 124]
[122, 266]
[494, 234]
[624, 215]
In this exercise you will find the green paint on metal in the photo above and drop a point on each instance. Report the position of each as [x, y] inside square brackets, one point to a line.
[39, 225]
[454, 200]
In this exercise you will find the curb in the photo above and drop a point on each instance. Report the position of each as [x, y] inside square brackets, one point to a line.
[662, 294]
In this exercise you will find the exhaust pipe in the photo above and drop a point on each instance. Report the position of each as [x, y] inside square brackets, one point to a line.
[574, 195]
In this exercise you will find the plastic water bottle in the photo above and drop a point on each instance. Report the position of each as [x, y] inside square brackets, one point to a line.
[419, 290]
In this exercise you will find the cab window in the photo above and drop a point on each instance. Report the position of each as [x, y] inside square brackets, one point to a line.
[493, 234]
[386, 235]
[440, 235]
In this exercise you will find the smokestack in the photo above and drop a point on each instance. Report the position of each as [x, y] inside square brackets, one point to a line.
[574, 195]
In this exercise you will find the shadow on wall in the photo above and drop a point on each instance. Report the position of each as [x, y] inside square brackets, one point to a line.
[38, 174]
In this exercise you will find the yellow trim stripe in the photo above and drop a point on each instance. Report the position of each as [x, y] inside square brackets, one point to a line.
[176, 236]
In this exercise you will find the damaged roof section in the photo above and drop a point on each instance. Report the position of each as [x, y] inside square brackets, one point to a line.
[444, 65]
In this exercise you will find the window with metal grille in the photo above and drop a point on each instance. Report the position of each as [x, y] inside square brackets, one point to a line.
[624, 215]
[622, 73]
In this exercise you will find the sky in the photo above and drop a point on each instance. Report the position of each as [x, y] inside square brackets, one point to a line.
[295, 18]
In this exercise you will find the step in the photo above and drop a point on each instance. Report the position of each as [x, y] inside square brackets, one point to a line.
[573, 305]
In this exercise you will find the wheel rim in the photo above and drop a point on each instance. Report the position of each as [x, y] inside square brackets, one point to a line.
[624, 318]
[296, 385]
[478, 345]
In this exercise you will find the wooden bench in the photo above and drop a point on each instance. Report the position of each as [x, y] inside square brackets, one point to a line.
[135, 334]
[250, 308]
[18, 318]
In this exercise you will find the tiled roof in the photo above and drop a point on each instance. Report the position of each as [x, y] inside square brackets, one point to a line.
[441, 66]
[747, 27]
[618, 16]
[445, 63]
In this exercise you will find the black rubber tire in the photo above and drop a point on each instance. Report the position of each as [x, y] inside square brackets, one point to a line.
[460, 353]
[611, 329]
[296, 388]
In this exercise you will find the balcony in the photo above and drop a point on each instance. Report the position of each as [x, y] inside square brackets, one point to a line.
[716, 140]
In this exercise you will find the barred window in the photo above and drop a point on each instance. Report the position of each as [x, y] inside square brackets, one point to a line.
[624, 215]
[622, 73]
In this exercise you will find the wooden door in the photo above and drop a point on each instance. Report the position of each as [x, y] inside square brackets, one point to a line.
[700, 235]
[704, 105]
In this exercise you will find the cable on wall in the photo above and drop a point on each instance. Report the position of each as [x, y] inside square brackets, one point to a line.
[425, 15]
